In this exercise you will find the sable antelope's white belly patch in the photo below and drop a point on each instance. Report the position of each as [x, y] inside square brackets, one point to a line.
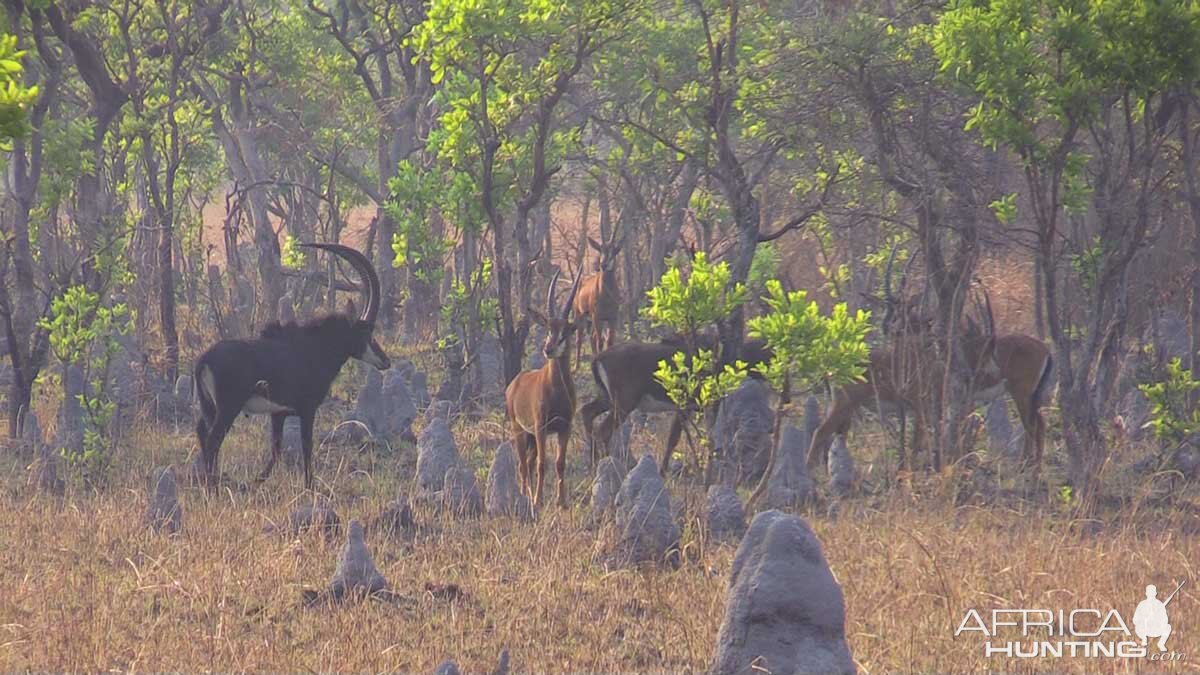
[650, 404]
[257, 405]
[988, 395]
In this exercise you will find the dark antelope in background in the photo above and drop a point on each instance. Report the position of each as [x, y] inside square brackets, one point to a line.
[286, 370]
[625, 381]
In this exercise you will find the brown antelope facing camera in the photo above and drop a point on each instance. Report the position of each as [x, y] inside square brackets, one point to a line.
[624, 377]
[542, 402]
[599, 297]
[900, 377]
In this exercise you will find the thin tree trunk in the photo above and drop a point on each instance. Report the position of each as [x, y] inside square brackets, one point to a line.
[581, 250]
[166, 296]
[1188, 159]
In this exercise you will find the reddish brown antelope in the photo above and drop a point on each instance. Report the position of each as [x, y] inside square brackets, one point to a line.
[541, 402]
[599, 297]
[900, 375]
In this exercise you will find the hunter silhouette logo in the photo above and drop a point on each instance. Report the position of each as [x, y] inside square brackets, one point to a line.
[1150, 618]
[1082, 632]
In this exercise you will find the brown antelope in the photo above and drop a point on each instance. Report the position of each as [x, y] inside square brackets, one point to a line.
[542, 401]
[599, 297]
[899, 377]
[624, 377]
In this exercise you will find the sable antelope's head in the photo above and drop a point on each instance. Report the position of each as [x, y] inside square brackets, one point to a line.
[558, 325]
[903, 315]
[608, 250]
[362, 339]
[979, 337]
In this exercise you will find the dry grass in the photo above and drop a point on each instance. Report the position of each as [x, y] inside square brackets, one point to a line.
[84, 587]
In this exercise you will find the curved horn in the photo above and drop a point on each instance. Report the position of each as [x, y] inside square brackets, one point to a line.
[987, 303]
[612, 236]
[571, 297]
[550, 294]
[364, 269]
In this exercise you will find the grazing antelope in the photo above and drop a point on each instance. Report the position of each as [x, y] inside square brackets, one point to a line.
[1024, 364]
[599, 297]
[286, 370]
[899, 377]
[624, 377]
[542, 401]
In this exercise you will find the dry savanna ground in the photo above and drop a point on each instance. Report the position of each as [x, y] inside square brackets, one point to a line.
[85, 587]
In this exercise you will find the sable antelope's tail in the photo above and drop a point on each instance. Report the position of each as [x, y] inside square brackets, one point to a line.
[205, 387]
[600, 375]
[1039, 392]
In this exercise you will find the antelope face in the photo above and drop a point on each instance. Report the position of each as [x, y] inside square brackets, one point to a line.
[608, 252]
[375, 356]
[371, 352]
[980, 351]
[608, 258]
[558, 339]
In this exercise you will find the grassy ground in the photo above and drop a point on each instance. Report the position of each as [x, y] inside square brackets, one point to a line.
[84, 587]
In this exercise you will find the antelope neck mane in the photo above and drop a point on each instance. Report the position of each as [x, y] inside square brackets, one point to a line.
[312, 327]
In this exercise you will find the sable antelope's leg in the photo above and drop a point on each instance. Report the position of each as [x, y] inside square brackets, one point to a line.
[578, 350]
[539, 440]
[211, 450]
[306, 444]
[672, 441]
[610, 425]
[560, 465]
[1039, 439]
[277, 420]
[521, 441]
[818, 449]
[588, 413]
[688, 435]
[1034, 426]
[1035, 437]
[202, 434]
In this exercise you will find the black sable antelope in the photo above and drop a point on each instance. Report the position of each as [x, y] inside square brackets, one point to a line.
[286, 370]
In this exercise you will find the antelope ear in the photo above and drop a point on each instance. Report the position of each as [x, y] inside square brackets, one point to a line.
[593, 244]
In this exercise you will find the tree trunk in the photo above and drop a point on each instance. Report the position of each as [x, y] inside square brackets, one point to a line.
[581, 250]
[664, 239]
[28, 344]
[166, 296]
[1188, 159]
[237, 136]
[1086, 449]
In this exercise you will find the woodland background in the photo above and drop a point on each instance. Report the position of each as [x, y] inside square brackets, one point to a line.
[166, 157]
